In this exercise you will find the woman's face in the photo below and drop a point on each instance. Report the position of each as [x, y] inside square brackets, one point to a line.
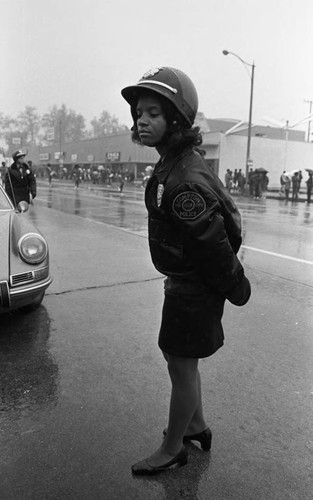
[151, 122]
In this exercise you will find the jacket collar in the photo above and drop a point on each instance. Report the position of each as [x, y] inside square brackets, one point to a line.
[166, 164]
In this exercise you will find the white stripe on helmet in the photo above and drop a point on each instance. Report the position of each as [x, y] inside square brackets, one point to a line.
[161, 84]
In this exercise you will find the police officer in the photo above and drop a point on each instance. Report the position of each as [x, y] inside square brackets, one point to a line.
[194, 235]
[20, 181]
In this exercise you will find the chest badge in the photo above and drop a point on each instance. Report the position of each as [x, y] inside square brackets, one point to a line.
[160, 192]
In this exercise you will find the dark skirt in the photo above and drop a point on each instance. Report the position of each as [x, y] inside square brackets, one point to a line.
[191, 320]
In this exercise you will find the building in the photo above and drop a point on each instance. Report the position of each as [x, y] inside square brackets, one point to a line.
[224, 143]
[115, 151]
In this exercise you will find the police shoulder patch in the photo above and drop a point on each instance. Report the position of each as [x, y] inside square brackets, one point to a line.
[189, 205]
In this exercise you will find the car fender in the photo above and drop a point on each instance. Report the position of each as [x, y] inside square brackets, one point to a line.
[4, 248]
[20, 226]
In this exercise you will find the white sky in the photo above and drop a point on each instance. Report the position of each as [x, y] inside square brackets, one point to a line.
[82, 52]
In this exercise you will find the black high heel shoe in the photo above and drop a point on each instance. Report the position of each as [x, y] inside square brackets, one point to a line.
[204, 438]
[143, 468]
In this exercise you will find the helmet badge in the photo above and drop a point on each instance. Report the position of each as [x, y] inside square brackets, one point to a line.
[150, 73]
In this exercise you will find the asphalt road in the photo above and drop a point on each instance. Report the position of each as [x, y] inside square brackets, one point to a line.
[83, 387]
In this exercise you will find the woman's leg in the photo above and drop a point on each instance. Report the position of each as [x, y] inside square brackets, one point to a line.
[197, 423]
[183, 406]
[184, 400]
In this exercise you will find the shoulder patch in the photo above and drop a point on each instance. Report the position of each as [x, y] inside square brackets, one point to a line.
[189, 205]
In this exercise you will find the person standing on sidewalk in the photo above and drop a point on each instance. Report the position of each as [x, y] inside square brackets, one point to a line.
[77, 176]
[121, 181]
[309, 185]
[287, 186]
[20, 182]
[50, 174]
[194, 235]
[295, 186]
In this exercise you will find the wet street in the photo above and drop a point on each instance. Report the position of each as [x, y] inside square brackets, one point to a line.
[83, 386]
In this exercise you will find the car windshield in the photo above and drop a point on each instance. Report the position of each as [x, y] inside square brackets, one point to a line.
[4, 202]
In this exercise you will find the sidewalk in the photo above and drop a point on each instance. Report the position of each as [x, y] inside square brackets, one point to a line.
[130, 187]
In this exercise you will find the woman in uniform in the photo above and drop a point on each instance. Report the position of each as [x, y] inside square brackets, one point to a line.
[194, 236]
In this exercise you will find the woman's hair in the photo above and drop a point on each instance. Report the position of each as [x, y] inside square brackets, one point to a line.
[178, 135]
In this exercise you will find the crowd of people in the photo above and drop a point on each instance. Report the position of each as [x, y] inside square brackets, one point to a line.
[80, 173]
[290, 183]
[235, 181]
[98, 175]
[95, 175]
[257, 181]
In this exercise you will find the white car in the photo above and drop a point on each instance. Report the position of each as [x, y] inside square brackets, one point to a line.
[24, 259]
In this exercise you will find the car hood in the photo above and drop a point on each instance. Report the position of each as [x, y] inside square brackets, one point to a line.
[5, 218]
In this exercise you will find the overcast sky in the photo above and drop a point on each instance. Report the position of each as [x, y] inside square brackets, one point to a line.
[82, 52]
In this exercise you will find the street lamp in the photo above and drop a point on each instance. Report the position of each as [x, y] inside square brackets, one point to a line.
[309, 122]
[251, 76]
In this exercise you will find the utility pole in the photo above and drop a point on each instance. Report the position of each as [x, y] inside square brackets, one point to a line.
[286, 144]
[251, 76]
[309, 122]
[60, 136]
[248, 159]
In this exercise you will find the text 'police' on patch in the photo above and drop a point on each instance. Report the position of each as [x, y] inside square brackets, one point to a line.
[189, 205]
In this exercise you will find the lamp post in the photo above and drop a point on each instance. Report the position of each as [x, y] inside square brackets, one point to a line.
[251, 76]
[309, 122]
[60, 138]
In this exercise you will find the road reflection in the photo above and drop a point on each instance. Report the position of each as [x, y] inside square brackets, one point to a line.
[181, 484]
[29, 373]
[267, 223]
[125, 210]
[121, 212]
[77, 204]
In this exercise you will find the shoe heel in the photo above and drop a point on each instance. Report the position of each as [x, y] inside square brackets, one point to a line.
[206, 446]
[183, 459]
[206, 442]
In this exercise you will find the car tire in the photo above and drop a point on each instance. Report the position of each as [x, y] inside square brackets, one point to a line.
[34, 305]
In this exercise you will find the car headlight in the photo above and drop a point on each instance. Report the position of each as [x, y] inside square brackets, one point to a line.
[33, 248]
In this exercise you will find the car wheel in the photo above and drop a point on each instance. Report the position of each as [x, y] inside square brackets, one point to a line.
[34, 305]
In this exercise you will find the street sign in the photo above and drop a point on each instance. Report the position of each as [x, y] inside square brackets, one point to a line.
[50, 134]
[250, 162]
[113, 156]
[44, 156]
[16, 140]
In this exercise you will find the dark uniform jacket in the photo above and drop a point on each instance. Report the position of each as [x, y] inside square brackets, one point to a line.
[22, 180]
[195, 227]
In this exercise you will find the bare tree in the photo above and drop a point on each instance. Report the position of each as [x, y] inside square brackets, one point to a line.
[29, 122]
[11, 131]
[105, 125]
[67, 124]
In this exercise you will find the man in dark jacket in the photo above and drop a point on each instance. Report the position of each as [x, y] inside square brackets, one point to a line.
[20, 181]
